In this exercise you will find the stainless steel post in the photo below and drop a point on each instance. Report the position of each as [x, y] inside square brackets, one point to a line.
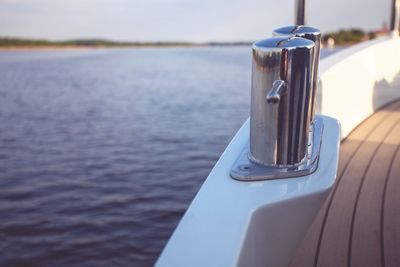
[395, 17]
[300, 15]
[280, 100]
[314, 35]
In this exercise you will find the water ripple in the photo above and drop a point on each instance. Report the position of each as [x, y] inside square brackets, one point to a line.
[101, 152]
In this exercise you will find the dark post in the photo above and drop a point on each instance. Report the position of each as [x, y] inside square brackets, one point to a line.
[300, 16]
[394, 18]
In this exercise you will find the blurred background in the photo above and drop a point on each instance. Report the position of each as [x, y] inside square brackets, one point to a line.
[179, 20]
[113, 112]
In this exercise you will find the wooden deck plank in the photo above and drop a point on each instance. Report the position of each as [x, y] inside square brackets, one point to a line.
[366, 233]
[334, 246]
[305, 255]
[391, 216]
[315, 242]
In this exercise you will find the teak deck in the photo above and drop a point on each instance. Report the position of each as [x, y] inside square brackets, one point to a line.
[359, 224]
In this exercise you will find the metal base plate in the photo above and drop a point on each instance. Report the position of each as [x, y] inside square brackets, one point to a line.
[245, 170]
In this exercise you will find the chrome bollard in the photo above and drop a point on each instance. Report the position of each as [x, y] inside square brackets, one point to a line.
[281, 95]
[314, 35]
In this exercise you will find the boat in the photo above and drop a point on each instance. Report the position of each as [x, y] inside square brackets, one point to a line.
[311, 178]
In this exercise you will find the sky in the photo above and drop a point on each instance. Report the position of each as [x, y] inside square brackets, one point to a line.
[179, 20]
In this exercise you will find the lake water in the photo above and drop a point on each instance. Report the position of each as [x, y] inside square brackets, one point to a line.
[101, 151]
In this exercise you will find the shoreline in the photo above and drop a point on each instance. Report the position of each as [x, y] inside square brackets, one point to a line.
[86, 47]
[58, 48]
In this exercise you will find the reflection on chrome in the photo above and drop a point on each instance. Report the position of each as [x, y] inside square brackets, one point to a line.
[314, 35]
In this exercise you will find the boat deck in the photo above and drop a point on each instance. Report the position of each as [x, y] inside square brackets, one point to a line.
[359, 224]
